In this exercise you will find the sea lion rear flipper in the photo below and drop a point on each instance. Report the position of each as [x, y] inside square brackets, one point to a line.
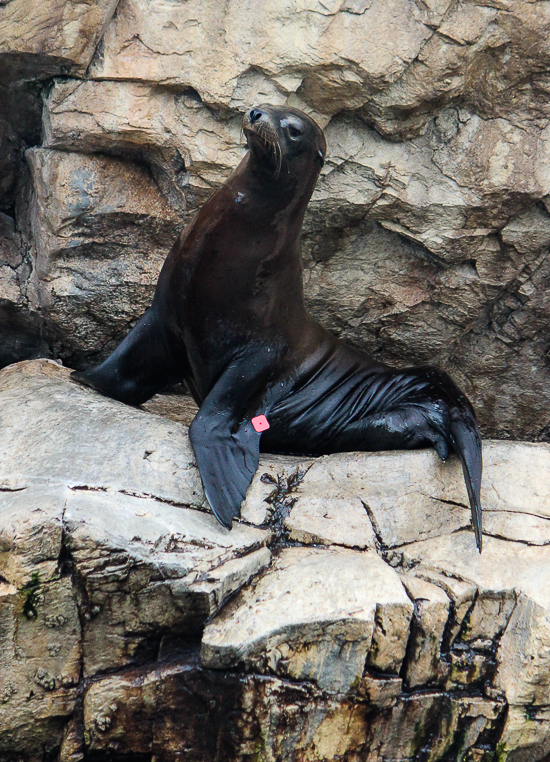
[419, 408]
[466, 442]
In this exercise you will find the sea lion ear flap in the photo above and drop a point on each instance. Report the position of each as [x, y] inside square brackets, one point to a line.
[321, 158]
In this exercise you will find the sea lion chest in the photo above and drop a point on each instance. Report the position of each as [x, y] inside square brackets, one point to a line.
[236, 275]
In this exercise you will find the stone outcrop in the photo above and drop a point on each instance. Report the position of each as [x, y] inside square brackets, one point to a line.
[426, 240]
[348, 615]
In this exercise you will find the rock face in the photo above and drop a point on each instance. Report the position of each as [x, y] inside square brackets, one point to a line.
[347, 616]
[428, 235]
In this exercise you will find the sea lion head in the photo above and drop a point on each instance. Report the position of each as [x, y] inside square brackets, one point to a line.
[285, 143]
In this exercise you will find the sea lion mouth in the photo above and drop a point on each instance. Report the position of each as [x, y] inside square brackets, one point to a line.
[262, 138]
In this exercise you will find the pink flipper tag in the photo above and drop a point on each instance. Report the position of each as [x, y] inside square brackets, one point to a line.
[260, 423]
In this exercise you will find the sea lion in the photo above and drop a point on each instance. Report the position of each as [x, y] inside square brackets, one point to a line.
[228, 318]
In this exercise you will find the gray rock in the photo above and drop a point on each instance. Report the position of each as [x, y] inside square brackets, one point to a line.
[510, 608]
[314, 616]
[31, 532]
[57, 431]
[430, 618]
[101, 231]
[151, 570]
[113, 564]
[331, 521]
[40, 643]
[413, 495]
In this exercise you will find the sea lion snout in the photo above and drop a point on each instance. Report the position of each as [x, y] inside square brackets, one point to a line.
[278, 135]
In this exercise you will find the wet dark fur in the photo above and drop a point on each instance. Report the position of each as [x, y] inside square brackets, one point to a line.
[228, 318]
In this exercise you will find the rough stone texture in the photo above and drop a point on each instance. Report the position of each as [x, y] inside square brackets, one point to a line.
[426, 241]
[397, 488]
[177, 407]
[330, 521]
[60, 30]
[428, 235]
[96, 222]
[312, 617]
[395, 640]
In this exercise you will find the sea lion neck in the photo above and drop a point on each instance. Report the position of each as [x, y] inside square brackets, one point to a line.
[256, 191]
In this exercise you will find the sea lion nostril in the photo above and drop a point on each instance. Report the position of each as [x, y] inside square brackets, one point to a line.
[254, 115]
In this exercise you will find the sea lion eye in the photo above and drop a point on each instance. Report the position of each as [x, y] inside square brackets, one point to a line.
[293, 128]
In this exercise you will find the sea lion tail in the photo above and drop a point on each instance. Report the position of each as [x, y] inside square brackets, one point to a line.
[466, 442]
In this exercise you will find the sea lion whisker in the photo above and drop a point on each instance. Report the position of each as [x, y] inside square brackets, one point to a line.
[279, 159]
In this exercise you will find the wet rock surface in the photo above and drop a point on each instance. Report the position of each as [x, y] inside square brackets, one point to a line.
[134, 627]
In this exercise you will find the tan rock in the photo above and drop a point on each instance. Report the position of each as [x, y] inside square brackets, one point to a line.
[431, 614]
[20, 334]
[526, 734]
[517, 494]
[294, 721]
[101, 232]
[524, 656]
[176, 407]
[380, 691]
[146, 569]
[246, 715]
[528, 232]
[188, 150]
[462, 593]
[69, 31]
[313, 616]
[330, 521]
[500, 156]
[470, 58]
[77, 505]
[281, 47]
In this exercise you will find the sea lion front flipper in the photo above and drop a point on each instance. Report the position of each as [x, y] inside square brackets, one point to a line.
[148, 360]
[225, 442]
[227, 461]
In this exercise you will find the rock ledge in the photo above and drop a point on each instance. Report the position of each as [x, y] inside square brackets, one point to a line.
[348, 615]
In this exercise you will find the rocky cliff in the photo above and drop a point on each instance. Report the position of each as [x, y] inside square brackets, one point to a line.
[348, 616]
[427, 238]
